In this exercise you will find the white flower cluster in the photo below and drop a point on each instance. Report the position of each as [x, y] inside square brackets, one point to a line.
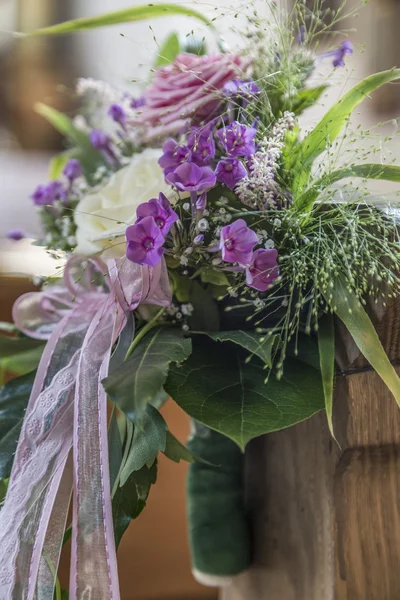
[260, 189]
[103, 90]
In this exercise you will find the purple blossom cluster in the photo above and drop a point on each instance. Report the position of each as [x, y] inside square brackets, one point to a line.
[57, 190]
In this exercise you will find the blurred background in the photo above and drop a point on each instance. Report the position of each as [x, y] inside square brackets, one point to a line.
[154, 559]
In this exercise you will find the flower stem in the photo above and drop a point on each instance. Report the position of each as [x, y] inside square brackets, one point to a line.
[145, 329]
[193, 200]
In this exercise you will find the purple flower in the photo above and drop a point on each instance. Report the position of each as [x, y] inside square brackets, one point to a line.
[202, 145]
[191, 178]
[161, 211]
[99, 139]
[238, 139]
[138, 102]
[73, 169]
[241, 88]
[237, 242]
[144, 242]
[198, 239]
[174, 155]
[48, 194]
[16, 235]
[230, 171]
[339, 54]
[117, 113]
[263, 269]
[201, 202]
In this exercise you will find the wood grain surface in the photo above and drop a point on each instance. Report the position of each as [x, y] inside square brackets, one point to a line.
[326, 519]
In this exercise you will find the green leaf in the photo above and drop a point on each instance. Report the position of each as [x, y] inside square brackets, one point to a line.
[326, 346]
[366, 171]
[130, 499]
[141, 377]
[219, 389]
[249, 340]
[3, 489]
[205, 315]
[330, 126]
[115, 448]
[168, 51]
[11, 346]
[89, 157]
[210, 275]
[57, 164]
[20, 364]
[176, 451]
[136, 13]
[349, 310]
[307, 98]
[14, 398]
[148, 440]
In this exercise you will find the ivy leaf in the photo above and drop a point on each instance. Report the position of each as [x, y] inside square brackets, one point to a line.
[141, 377]
[168, 51]
[332, 123]
[219, 389]
[14, 397]
[176, 451]
[326, 346]
[148, 440]
[136, 13]
[130, 499]
[349, 310]
[249, 340]
[366, 171]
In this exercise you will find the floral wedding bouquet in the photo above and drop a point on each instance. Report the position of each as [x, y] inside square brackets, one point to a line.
[210, 243]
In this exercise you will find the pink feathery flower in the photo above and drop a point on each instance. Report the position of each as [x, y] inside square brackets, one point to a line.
[188, 91]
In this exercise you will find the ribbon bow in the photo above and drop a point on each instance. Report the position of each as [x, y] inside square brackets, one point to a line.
[63, 449]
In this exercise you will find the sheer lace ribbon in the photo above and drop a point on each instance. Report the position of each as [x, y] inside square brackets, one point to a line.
[62, 449]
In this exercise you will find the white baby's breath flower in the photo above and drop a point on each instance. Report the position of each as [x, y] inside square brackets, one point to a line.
[102, 217]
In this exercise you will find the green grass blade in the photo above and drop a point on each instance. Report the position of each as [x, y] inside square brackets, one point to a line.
[129, 15]
[367, 171]
[326, 347]
[330, 126]
[348, 308]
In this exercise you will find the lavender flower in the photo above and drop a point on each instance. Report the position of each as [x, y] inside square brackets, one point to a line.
[145, 242]
[237, 242]
[188, 177]
[239, 89]
[73, 169]
[174, 155]
[161, 211]
[237, 139]
[99, 139]
[117, 113]
[262, 270]
[230, 171]
[202, 145]
[48, 194]
[339, 54]
[201, 202]
[16, 235]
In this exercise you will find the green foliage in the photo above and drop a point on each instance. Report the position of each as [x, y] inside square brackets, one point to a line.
[168, 51]
[332, 123]
[128, 15]
[14, 398]
[349, 310]
[176, 451]
[219, 389]
[307, 97]
[18, 355]
[57, 164]
[251, 341]
[366, 171]
[141, 377]
[326, 346]
[205, 314]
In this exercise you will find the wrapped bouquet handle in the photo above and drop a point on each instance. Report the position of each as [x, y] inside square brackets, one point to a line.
[63, 443]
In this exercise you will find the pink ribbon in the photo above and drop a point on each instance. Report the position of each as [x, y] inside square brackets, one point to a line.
[63, 447]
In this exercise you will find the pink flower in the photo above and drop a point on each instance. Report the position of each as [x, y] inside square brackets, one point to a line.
[188, 91]
[263, 269]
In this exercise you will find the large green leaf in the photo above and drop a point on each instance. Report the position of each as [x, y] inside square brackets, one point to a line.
[11, 346]
[326, 346]
[257, 344]
[348, 308]
[148, 440]
[14, 398]
[330, 126]
[168, 51]
[136, 13]
[366, 171]
[141, 377]
[130, 499]
[176, 451]
[218, 388]
[18, 356]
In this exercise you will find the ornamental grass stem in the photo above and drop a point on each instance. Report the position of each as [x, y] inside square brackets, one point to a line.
[142, 332]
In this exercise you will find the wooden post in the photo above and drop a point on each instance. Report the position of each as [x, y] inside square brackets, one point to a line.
[326, 520]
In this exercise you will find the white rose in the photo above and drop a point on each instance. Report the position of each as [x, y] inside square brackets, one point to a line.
[103, 216]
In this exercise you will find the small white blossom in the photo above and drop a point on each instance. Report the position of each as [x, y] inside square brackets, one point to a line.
[224, 200]
[184, 260]
[187, 309]
[269, 244]
[203, 225]
[186, 206]
[277, 223]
